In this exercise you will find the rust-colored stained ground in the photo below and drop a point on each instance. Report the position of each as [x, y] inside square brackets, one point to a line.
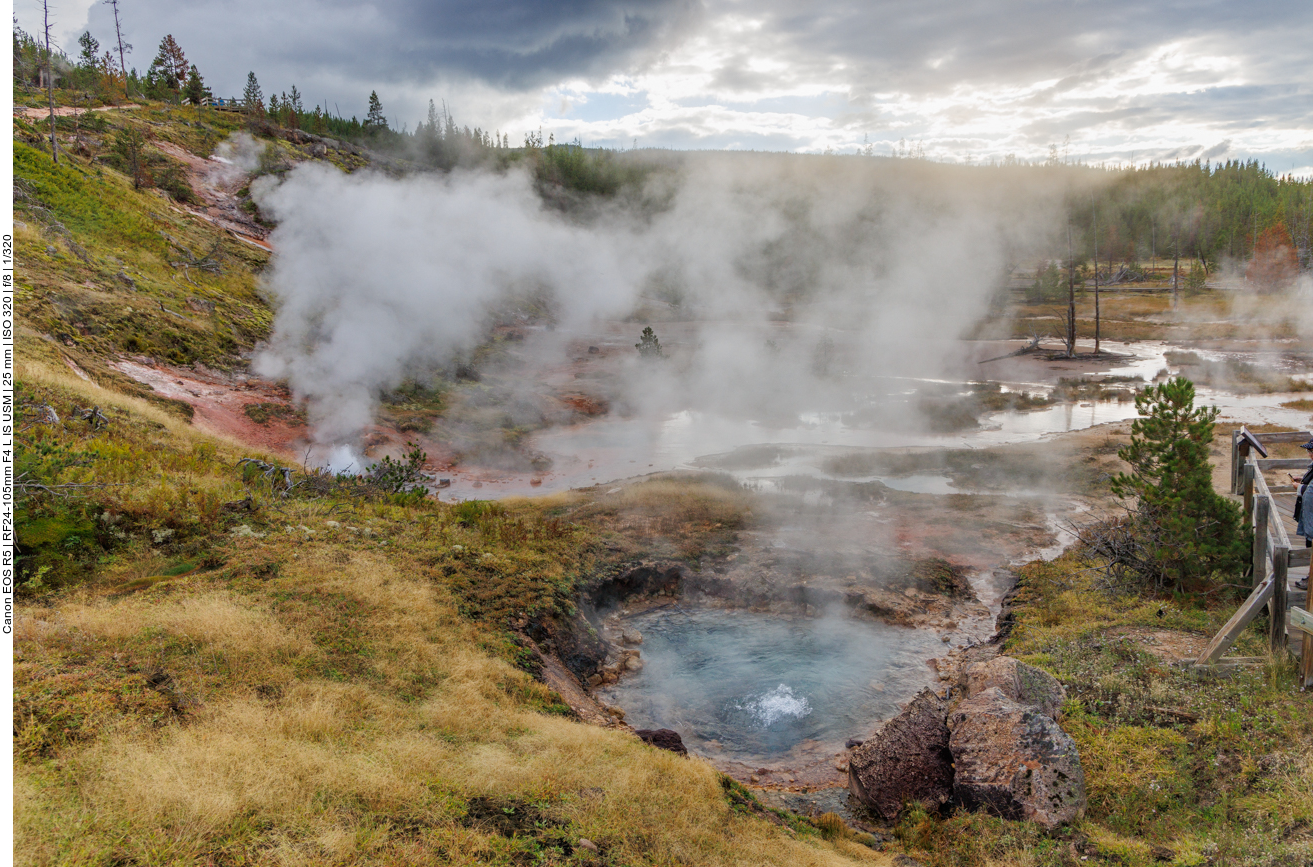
[215, 184]
[220, 403]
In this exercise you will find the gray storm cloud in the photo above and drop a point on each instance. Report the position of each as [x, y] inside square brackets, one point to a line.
[889, 261]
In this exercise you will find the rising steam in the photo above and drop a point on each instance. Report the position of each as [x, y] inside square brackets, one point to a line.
[376, 277]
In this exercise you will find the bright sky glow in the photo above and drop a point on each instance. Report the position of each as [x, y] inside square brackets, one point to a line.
[1139, 81]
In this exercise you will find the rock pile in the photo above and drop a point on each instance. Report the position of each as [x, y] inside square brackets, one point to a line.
[998, 748]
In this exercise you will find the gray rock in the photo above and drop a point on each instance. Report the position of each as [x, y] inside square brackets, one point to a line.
[1024, 684]
[1015, 761]
[907, 760]
[664, 739]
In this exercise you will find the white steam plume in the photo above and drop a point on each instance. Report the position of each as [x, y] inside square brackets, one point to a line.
[375, 276]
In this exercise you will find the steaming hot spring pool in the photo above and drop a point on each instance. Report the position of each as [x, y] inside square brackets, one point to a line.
[753, 687]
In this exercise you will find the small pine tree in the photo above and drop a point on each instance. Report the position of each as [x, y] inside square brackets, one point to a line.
[252, 96]
[649, 346]
[195, 89]
[1187, 531]
[129, 151]
[375, 119]
[87, 58]
[1047, 286]
[110, 78]
[1197, 276]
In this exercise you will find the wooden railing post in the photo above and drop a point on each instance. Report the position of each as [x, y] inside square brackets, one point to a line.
[1277, 607]
[1235, 461]
[1247, 487]
[1306, 644]
[1262, 512]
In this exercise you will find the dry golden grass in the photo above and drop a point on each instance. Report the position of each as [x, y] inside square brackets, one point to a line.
[289, 755]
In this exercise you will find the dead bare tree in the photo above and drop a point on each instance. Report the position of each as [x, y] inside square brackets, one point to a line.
[50, 82]
[1095, 232]
[1129, 550]
[1071, 295]
[279, 478]
[209, 262]
[124, 47]
[24, 485]
[45, 415]
[92, 416]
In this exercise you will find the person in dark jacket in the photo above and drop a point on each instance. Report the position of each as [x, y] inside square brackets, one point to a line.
[1303, 508]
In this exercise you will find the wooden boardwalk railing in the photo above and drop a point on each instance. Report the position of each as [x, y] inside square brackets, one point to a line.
[1273, 555]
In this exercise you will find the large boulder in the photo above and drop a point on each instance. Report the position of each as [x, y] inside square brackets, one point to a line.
[1024, 684]
[907, 760]
[1014, 760]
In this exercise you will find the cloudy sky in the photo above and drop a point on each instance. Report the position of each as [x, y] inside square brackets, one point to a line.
[963, 80]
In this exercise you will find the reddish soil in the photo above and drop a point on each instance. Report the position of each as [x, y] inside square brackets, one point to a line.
[215, 185]
[220, 403]
[590, 406]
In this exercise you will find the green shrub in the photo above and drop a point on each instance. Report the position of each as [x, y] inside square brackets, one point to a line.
[1180, 530]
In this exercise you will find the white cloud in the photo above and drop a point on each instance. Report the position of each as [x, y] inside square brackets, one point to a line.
[977, 79]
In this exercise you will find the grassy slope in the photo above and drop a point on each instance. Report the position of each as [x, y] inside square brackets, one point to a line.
[207, 672]
[1179, 768]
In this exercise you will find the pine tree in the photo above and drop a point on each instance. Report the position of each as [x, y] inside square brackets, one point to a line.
[252, 96]
[87, 58]
[375, 119]
[111, 80]
[1187, 531]
[170, 67]
[649, 346]
[129, 148]
[294, 101]
[195, 89]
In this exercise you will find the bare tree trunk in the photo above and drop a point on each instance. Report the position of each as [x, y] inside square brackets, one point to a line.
[1176, 266]
[50, 83]
[1095, 213]
[118, 32]
[1071, 296]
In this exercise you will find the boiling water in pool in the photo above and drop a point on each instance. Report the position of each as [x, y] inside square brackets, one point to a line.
[754, 686]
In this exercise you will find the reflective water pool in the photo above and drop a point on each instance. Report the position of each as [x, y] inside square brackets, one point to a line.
[745, 685]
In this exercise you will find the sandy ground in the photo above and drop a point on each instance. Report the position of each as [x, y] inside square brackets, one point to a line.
[66, 111]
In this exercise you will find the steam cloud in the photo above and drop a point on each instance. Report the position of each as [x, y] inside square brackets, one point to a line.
[376, 277]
